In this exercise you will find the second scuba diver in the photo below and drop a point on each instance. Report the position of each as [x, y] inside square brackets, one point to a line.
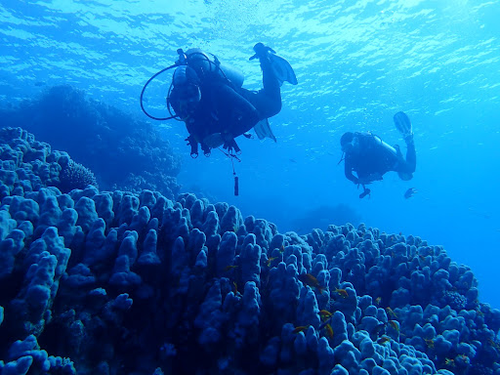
[370, 157]
[209, 98]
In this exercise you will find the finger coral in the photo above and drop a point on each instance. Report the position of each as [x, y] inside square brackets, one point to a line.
[114, 282]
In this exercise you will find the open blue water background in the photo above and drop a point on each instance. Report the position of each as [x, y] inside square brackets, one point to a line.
[358, 62]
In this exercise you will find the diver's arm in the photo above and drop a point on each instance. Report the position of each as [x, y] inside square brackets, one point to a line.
[411, 154]
[237, 114]
[409, 164]
[348, 172]
[197, 134]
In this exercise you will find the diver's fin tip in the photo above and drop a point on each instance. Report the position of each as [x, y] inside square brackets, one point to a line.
[403, 123]
[283, 70]
[263, 130]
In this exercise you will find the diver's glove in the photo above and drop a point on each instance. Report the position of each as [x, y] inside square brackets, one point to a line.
[191, 141]
[225, 140]
[262, 51]
[231, 146]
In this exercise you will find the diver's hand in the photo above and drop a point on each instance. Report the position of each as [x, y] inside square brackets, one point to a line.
[214, 140]
[221, 139]
[231, 146]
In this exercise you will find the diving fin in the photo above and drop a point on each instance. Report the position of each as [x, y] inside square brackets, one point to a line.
[403, 124]
[282, 69]
[263, 130]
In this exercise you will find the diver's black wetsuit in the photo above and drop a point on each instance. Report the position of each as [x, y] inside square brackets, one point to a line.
[377, 158]
[267, 100]
[231, 111]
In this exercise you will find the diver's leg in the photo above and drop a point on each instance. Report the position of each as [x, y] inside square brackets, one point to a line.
[411, 154]
[270, 81]
[267, 100]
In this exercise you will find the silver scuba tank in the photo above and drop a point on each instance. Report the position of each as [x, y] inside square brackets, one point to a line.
[385, 145]
[204, 64]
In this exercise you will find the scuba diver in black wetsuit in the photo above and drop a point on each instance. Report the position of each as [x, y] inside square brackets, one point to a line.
[370, 157]
[208, 97]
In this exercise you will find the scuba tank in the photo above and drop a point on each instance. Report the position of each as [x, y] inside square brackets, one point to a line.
[388, 147]
[209, 67]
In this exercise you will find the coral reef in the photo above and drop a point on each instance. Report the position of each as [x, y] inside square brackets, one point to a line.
[28, 165]
[75, 176]
[88, 129]
[113, 282]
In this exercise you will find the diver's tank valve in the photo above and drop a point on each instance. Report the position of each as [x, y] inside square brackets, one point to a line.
[182, 60]
[202, 63]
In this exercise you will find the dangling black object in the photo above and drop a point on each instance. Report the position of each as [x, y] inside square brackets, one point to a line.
[236, 179]
[365, 192]
[236, 186]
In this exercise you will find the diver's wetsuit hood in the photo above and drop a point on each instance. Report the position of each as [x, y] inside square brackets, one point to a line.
[185, 75]
[346, 138]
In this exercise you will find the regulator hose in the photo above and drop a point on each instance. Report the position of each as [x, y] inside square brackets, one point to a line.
[144, 89]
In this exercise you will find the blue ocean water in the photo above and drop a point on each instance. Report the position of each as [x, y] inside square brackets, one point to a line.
[358, 62]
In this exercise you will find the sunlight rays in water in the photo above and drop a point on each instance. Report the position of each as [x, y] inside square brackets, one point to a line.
[391, 49]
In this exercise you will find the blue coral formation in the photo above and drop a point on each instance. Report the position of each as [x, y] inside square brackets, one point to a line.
[88, 129]
[113, 282]
[75, 176]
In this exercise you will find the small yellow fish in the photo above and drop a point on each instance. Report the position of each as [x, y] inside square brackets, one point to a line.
[270, 260]
[329, 331]
[449, 362]
[342, 292]
[391, 312]
[394, 325]
[429, 343]
[230, 267]
[325, 313]
[310, 280]
[383, 340]
[300, 329]
[494, 344]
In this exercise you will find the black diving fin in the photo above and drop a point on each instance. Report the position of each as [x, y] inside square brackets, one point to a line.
[281, 68]
[263, 130]
[403, 124]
